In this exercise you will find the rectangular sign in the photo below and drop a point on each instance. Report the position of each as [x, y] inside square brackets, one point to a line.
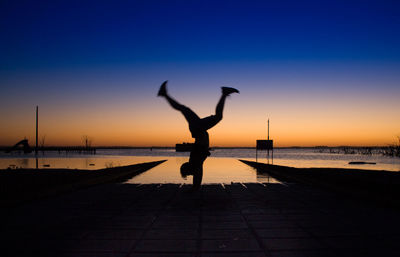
[265, 145]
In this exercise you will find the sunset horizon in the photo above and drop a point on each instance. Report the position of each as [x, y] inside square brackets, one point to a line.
[323, 75]
[200, 128]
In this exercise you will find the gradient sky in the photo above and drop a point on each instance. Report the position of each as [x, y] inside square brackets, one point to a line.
[324, 72]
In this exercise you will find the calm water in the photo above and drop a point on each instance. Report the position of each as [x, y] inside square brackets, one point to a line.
[216, 170]
[116, 157]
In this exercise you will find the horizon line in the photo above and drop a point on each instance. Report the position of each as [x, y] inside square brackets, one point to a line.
[219, 147]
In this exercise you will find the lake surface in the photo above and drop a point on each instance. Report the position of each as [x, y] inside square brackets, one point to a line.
[216, 170]
[303, 157]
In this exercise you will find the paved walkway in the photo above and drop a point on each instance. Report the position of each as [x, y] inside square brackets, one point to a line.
[222, 220]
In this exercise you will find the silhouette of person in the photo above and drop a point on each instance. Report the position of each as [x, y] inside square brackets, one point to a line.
[198, 128]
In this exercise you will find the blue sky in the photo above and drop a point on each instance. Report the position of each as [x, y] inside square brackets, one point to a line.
[82, 53]
[69, 34]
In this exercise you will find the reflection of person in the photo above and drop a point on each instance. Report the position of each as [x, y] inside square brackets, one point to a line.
[198, 128]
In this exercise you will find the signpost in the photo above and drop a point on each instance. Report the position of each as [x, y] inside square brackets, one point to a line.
[265, 145]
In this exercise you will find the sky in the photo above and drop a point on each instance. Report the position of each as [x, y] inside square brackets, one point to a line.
[323, 72]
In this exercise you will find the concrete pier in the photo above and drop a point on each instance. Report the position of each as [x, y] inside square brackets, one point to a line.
[220, 220]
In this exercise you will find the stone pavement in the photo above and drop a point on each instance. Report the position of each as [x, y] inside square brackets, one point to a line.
[221, 220]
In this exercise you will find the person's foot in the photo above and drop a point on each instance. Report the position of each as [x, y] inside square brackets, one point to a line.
[229, 90]
[163, 89]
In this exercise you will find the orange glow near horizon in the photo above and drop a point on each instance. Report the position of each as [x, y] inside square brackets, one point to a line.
[323, 74]
[328, 116]
[162, 126]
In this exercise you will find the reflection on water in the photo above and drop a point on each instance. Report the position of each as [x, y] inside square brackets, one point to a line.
[216, 170]
[300, 158]
[22, 162]
[87, 163]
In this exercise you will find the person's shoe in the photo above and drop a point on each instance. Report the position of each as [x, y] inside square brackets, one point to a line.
[163, 89]
[229, 90]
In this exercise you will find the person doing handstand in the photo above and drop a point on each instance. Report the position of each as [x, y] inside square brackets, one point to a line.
[198, 128]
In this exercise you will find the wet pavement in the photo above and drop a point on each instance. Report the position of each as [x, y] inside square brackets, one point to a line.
[220, 220]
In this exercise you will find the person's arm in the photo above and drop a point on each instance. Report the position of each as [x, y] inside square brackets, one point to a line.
[197, 178]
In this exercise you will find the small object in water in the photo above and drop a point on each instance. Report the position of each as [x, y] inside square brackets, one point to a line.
[91, 164]
[184, 147]
[362, 162]
[46, 165]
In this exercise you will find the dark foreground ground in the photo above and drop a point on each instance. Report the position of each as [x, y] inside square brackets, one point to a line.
[380, 186]
[289, 219]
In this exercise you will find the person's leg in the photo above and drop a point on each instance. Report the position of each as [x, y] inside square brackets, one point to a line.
[190, 116]
[211, 121]
[220, 107]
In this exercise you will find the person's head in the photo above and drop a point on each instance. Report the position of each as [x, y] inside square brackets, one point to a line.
[186, 169]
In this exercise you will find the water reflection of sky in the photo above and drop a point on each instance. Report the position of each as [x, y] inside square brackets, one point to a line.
[300, 158]
[216, 170]
[88, 163]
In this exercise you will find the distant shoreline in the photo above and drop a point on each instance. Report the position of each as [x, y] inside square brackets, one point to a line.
[214, 147]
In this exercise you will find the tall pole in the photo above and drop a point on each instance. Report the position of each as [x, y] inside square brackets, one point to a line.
[268, 142]
[37, 128]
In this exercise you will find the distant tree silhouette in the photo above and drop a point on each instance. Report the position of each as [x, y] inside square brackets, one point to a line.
[87, 141]
[42, 141]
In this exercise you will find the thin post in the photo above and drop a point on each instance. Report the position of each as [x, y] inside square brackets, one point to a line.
[37, 128]
[268, 139]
